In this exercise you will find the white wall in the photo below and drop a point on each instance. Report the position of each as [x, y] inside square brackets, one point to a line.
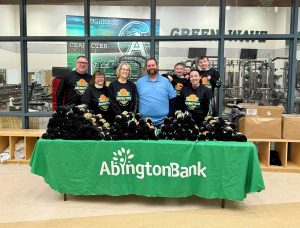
[142, 12]
[13, 76]
[9, 59]
[9, 20]
[11, 62]
[38, 62]
[49, 20]
[187, 17]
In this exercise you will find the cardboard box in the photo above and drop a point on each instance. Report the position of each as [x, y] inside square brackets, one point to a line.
[290, 126]
[263, 111]
[262, 122]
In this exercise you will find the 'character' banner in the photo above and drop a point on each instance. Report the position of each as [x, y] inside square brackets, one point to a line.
[105, 55]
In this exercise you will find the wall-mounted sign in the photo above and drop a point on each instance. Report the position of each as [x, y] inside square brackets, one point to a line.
[105, 55]
[205, 31]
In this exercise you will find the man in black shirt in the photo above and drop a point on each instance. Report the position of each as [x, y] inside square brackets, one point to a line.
[74, 84]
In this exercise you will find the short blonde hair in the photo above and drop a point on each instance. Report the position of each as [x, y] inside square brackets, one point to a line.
[118, 71]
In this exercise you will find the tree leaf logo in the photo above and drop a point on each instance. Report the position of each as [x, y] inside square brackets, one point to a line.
[122, 156]
[204, 80]
[102, 98]
[82, 82]
[192, 97]
[123, 92]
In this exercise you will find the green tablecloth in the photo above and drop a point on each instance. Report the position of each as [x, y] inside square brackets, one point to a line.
[227, 170]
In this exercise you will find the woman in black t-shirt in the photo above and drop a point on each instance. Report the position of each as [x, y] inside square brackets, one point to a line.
[195, 98]
[96, 96]
[123, 92]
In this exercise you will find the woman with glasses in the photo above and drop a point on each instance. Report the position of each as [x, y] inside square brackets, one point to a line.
[123, 92]
[96, 97]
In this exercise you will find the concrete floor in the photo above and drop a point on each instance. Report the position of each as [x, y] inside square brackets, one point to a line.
[26, 197]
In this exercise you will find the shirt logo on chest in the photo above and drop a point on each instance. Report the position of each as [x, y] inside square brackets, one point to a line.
[206, 82]
[81, 86]
[103, 102]
[192, 102]
[123, 97]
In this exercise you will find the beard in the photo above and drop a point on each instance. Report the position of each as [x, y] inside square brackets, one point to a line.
[152, 71]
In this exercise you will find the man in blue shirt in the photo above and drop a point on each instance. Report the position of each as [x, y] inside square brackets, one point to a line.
[157, 97]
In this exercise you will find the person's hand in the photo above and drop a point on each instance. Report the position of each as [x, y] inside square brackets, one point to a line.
[208, 77]
[170, 78]
[187, 77]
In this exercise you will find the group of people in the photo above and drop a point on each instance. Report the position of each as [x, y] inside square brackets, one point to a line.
[153, 95]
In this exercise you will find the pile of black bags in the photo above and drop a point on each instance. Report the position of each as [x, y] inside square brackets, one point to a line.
[183, 127]
[79, 123]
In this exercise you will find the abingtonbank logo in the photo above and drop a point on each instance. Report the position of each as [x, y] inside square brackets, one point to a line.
[122, 164]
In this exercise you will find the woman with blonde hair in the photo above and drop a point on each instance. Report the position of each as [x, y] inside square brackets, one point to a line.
[123, 92]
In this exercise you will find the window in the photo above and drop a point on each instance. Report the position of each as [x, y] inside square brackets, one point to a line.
[10, 19]
[297, 89]
[120, 18]
[52, 48]
[170, 53]
[51, 18]
[42, 58]
[256, 72]
[244, 17]
[187, 17]
[10, 77]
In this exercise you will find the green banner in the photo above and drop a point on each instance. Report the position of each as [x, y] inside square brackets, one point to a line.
[106, 55]
[227, 170]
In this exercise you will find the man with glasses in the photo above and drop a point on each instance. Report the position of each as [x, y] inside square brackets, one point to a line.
[74, 84]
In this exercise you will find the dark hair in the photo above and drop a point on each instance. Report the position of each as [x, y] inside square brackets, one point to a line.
[196, 71]
[187, 66]
[97, 72]
[203, 57]
[82, 56]
[149, 60]
[178, 64]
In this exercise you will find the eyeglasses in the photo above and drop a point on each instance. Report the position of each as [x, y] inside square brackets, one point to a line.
[83, 63]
